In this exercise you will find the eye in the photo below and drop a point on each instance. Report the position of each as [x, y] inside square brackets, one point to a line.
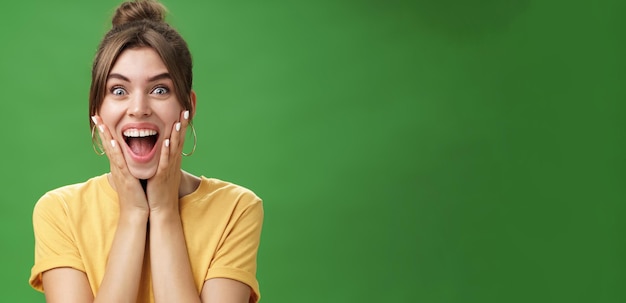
[118, 91]
[160, 90]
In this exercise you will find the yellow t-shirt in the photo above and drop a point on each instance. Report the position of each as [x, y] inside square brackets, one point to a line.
[74, 227]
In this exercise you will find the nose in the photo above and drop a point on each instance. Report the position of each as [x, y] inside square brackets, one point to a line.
[139, 106]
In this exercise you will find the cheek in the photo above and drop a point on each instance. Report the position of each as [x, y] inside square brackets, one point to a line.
[110, 109]
[110, 115]
[169, 115]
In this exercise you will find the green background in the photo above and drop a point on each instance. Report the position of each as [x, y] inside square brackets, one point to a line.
[406, 151]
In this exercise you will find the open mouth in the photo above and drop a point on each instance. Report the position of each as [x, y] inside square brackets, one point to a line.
[141, 141]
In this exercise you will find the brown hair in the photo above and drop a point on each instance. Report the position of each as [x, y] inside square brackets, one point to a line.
[141, 23]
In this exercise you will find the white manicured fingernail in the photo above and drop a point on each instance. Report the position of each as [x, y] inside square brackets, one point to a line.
[93, 118]
[101, 128]
[178, 126]
[113, 143]
[167, 142]
[186, 115]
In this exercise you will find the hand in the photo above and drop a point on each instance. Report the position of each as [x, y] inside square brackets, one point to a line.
[130, 193]
[163, 187]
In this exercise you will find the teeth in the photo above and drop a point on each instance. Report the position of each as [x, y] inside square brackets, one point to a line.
[133, 132]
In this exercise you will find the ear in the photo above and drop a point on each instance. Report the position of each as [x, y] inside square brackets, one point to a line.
[192, 96]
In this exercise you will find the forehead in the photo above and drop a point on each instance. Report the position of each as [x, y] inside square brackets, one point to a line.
[139, 64]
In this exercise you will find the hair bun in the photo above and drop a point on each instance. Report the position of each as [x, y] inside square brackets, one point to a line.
[139, 10]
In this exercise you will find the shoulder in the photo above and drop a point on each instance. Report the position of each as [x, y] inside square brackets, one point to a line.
[226, 192]
[70, 195]
[221, 198]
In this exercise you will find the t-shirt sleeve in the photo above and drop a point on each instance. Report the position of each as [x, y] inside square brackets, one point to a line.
[54, 239]
[236, 257]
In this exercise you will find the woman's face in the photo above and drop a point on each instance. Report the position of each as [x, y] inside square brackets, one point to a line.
[140, 108]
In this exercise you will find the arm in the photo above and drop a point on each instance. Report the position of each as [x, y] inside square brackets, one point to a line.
[172, 278]
[123, 271]
[222, 290]
[125, 261]
[66, 285]
[232, 275]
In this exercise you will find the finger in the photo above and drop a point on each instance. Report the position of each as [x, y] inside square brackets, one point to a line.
[175, 145]
[179, 131]
[183, 129]
[185, 124]
[110, 145]
[164, 159]
[103, 134]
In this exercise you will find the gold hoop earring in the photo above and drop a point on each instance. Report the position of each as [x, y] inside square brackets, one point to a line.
[101, 151]
[195, 141]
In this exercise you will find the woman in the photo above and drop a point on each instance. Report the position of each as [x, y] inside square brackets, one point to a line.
[147, 231]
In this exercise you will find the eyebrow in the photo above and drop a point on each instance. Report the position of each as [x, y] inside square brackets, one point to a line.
[153, 78]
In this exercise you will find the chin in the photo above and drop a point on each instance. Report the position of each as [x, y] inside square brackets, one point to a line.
[143, 174]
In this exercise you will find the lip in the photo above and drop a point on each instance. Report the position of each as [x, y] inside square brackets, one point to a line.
[146, 158]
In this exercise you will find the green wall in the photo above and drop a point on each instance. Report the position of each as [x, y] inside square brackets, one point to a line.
[407, 151]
